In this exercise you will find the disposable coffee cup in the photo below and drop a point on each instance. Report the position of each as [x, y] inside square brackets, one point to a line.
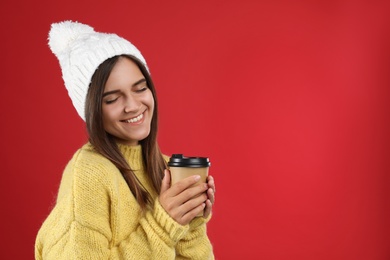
[182, 167]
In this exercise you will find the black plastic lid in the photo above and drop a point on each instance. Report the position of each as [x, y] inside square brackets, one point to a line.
[178, 160]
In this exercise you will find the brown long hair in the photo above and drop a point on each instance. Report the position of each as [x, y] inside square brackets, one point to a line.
[105, 144]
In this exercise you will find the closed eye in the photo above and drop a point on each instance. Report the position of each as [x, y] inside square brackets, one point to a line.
[141, 90]
[110, 101]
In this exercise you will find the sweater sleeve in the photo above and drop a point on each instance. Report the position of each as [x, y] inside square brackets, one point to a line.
[195, 244]
[83, 224]
[155, 238]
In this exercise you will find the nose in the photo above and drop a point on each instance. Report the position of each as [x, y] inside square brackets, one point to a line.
[132, 104]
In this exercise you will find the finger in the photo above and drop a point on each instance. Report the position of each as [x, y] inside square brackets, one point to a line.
[193, 203]
[165, 184]
[190, 209]
[184, 184]
[211, 183]
[192, 192]
[193, 213]
[207, 210]
[211, 195]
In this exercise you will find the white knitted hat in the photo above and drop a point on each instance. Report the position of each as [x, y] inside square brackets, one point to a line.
[80, 50]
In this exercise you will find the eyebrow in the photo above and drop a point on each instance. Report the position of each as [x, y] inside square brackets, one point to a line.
[117, 90]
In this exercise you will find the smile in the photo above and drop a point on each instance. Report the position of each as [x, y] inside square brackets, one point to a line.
[135, 119]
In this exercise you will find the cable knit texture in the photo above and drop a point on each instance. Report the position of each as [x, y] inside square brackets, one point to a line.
[97, 217]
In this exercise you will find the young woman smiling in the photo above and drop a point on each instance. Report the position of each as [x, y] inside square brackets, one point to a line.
[115, 200]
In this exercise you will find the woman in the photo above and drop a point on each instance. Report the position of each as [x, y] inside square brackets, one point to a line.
[115, 200]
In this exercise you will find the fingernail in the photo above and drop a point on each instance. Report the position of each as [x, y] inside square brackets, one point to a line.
[197, 177]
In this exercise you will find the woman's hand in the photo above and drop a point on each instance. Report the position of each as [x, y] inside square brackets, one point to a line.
[211, 196]
[183, 202]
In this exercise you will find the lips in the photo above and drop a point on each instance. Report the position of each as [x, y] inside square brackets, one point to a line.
[134, 119]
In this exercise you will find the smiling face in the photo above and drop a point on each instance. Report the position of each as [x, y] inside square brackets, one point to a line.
[127, 104]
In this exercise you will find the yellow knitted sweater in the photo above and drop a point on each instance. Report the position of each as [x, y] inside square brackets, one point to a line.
[97, 217]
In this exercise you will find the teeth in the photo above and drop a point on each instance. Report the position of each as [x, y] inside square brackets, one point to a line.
[136, 119]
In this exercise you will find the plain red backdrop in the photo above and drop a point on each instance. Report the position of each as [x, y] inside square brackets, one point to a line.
[289, 99]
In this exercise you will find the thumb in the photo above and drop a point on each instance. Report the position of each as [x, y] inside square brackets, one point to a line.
[166, 181]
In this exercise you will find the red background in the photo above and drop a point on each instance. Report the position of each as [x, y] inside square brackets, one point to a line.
[289, 99]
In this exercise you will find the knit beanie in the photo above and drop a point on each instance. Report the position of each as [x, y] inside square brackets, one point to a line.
[80, 50]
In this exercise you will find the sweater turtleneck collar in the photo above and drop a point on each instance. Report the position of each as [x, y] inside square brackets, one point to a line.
[133, 155]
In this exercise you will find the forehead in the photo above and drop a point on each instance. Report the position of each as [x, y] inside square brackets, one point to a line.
[124, 74]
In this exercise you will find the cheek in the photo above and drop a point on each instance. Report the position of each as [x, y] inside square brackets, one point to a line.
[150, 102]
[152, 105]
